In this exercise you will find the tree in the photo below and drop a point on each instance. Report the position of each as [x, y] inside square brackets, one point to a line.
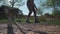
[16, 2]
[47, 14]
[52, 4]
[41, 7]
[39, 11]
[12, 2]
[12, 11]
[56, 13]
[2, 2]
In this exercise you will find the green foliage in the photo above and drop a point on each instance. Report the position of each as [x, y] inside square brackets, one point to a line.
[2, 2]
[56, 13]
[12, 2]
[41, 19]
[53, 3]
[20, 13]
[16, 3]
[39, 11]
[3, 20]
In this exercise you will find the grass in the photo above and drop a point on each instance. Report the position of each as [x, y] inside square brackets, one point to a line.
[56, 22]
[3, 20]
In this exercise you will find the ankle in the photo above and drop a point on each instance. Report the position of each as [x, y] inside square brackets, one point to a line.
[36, 21]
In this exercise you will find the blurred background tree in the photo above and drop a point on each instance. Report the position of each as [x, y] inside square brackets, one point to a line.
[16, 3]
[40, 12]
[51, 4]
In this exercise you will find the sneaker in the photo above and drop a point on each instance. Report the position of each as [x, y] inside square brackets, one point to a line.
[28, 21]
[37, 22]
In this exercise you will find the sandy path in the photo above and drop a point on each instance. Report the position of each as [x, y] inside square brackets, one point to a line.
[32, 29]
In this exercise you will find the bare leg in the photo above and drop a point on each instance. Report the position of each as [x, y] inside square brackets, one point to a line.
[35, 17]
[28, 16]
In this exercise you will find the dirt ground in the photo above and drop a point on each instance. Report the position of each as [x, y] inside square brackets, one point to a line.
[32, 28]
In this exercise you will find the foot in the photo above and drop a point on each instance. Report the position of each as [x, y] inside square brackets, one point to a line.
[37, 22]
[28, 21]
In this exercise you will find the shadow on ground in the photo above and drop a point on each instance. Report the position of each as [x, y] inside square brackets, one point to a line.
[20, 29]
[10, 30]
[39, 32]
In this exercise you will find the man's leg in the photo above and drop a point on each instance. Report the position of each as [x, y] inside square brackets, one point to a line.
[35, 16]
[28, 16]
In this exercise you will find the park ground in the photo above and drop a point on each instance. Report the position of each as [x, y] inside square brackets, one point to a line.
[31, 28]
[46, 26]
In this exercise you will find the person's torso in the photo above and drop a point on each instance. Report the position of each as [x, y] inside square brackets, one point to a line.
[30, 3]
